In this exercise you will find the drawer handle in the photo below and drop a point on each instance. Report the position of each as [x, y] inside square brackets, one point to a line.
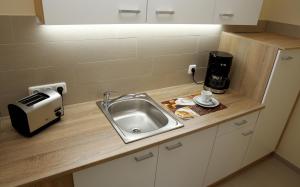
[247, 133]
[175, 146]
[129, 11]
[287, 58]
[227, 15]
[241, 123]
[144, 157]
[171, 12]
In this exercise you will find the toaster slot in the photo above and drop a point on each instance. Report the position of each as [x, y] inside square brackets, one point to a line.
[31, 100]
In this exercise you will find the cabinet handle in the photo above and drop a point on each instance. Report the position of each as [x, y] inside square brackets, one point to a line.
[175, 146]
[171, 12]
[144, 157]
[129, 11]
[241, 123]
[247, 133]
[287, 58]
[226, 15]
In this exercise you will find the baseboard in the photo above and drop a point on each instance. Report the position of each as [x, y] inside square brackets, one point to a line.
[287, 163]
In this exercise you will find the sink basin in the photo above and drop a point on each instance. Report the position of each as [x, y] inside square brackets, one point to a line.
[137, 116]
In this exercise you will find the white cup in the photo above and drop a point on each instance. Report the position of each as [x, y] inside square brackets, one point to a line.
[206, 96]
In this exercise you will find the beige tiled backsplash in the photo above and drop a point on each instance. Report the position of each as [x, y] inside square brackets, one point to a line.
[95, 58]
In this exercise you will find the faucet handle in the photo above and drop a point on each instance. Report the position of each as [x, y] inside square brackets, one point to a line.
[108, 92]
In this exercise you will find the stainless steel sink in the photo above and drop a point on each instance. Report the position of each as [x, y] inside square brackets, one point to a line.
[137, 116]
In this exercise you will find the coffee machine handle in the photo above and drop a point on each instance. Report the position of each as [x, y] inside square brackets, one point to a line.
[227, 83]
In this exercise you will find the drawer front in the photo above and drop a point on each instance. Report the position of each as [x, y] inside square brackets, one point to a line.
[248, 121]
[136, 170]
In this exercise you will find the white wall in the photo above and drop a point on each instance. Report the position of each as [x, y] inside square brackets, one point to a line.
[289, 147]
[17, 7]
[284, 11]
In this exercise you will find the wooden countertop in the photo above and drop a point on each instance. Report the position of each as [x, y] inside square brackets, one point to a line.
[85, 137]
[273, 39]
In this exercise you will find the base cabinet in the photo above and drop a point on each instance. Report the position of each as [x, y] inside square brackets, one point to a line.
[183, 162]
[230, 147]
[133, 171]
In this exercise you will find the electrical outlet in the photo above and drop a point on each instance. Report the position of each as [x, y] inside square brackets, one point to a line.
[42, 88]
[191, 67]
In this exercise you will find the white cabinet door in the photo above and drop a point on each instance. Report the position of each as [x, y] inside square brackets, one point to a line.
[183, 162]
[228, 154]
[237, 12]
[180, 11]
[133, 171]
[281, 94]
[58, 12]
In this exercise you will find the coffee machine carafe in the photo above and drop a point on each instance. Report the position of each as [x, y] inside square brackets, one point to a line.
[218, 69]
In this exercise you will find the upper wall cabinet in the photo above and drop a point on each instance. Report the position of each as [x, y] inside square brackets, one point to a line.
[180, 11]
[230, 12]
[237, 12]
[94, 11]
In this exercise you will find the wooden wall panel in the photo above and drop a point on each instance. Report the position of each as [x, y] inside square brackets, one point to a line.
[252, 64]
[39, 11]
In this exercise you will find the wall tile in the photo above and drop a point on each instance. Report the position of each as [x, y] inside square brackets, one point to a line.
[202, 59]
[6, 35]
[170, 63]
[111, 70]
[158, 46]
[20, 80]
[94, 91]
[36, 55]
[97, 50]
[8, 99]
[14, 56]
[26, 29]
[208, 43]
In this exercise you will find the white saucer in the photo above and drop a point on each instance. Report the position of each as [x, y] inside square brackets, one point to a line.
[185, 102]
[199, 101]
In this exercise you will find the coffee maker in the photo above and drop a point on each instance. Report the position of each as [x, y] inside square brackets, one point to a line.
[219, 64]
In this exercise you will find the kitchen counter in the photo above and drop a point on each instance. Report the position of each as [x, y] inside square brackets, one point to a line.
[85, 138]
[273, 39]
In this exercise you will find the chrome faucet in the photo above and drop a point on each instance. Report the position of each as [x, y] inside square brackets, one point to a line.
[106, 97]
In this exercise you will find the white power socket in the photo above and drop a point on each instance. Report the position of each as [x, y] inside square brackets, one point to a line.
[191, 67]
[42, 88]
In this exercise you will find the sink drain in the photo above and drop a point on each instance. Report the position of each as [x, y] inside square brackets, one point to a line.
[136, 130]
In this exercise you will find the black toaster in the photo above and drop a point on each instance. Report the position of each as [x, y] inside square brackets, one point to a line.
[34, 113]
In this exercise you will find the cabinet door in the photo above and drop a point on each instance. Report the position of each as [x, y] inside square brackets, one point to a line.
[228, 154]
[237, 12]
[134, 170]
[57, 12]
[183, 162]
[180, 11]
[279, 99]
